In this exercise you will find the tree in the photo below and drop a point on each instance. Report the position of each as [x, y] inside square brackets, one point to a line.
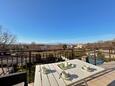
[64, 46]
[6, 39]
[100, 55]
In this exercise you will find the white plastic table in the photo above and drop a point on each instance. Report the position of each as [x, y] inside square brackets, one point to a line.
[52, 78]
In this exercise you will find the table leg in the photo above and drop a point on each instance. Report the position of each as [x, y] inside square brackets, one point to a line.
[85, 82]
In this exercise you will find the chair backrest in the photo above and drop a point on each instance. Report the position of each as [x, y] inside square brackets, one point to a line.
[14, 78]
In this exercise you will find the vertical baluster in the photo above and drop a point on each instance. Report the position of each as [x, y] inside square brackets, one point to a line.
[29, 56]
[95, 56]
[22, 60]
[33, 58]
[60, 56]
[72, 53]
[7, 64]
[17, 56]
[46, 57]
[43, 57]
[29, 64]
[26, 58]
[12, 61]
[55, 56]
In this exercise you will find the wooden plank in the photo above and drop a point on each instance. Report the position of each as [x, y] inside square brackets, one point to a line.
[73, 73]
[45, 79]
[83, 73]
[56, 75]
[77, 73]
[59, 71]
[51, 77]
[81, 64]
[38, 78]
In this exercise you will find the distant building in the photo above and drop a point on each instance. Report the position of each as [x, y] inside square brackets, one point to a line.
[69, 46]
[79, 46]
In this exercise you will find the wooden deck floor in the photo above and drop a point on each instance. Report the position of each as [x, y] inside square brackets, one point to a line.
[106, 79]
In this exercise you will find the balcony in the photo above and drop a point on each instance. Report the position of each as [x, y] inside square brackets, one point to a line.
[25, 61]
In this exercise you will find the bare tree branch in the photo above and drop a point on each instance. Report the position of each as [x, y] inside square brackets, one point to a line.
[6, 39]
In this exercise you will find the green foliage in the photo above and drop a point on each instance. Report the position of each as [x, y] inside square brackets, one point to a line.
[64, 46]
[72, 54]
[100, 54]
[67, 54]
[38, 58]
[51, 58]
[30, 76]
[109, 59]
[79, 54]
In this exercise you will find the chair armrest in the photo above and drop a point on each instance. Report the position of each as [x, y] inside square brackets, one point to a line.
[14, 78]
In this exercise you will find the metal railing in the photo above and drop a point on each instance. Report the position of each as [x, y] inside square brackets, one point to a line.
[26, 60]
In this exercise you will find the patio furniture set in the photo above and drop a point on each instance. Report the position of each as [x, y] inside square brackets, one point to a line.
[67, 73]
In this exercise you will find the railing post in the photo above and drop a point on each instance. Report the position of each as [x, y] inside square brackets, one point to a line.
[29, 64]
[95, 56]
[26, 58]
[21, 57]
[109, 53]
[17, 59]
[29, 56]
[12, 61]
[72, 53]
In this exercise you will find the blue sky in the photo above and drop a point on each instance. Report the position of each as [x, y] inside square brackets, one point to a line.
[59, 21]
